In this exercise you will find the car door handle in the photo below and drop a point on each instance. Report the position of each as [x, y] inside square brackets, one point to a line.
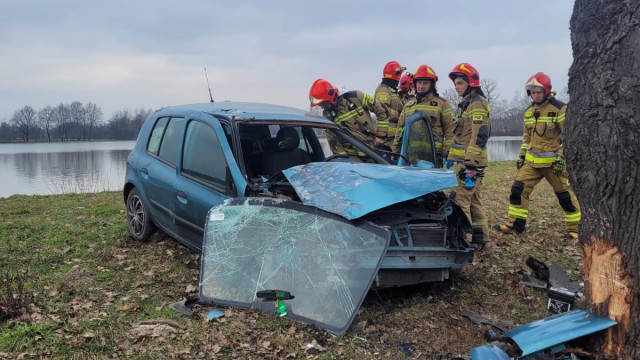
[144, 171]
[182, 194]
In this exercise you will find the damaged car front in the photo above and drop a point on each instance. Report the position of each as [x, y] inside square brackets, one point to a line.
[239, 159]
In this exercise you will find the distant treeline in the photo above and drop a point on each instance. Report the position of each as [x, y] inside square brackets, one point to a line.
[82, 122]
[71, 122]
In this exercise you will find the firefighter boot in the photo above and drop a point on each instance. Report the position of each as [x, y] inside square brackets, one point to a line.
[505, 229]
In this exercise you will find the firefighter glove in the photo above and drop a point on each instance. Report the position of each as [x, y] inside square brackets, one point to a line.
[447, 163]
[520, 162]
[558, 165]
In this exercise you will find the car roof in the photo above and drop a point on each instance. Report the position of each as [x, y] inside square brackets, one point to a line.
[250, 111]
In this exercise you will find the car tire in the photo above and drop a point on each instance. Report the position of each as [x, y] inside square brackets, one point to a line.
[138, 221]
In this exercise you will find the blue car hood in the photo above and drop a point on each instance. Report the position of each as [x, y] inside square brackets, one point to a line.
[354, 190]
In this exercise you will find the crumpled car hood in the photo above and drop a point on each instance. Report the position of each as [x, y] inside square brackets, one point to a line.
[557, 329]
[354, 190]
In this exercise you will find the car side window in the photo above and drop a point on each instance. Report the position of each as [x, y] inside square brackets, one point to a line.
[169, 145]
[156, 135]
[202, 158]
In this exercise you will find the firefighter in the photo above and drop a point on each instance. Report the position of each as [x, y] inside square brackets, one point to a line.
[406, 90]
[541, 157]
[387, 94]
[350, 110]
[435, 107]
[469, 148]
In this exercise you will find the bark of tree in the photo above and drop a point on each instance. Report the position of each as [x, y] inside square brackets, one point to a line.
[602, 149]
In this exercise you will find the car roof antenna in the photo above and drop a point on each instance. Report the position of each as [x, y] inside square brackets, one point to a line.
[207, 76]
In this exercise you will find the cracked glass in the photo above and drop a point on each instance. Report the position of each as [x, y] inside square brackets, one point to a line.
[326, 262]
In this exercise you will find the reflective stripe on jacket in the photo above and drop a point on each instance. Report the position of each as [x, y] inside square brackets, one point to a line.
[472, 132]
[441, 119]
[543, 125]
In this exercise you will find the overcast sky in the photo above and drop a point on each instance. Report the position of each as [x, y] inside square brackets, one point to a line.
[150, 54]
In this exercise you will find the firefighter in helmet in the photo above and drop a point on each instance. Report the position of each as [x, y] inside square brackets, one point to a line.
[387, 94]
[435, 107]
[468, 150]
[541, 157]
[350, 110]
[406, 90]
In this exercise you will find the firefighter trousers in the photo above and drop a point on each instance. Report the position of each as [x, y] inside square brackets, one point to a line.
[526, 179]
[470, 200]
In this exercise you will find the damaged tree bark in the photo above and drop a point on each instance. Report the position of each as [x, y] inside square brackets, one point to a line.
[602, 149]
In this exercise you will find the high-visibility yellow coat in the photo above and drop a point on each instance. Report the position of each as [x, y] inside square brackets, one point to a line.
[472, 132]
[440, 114]
[352, 110]
[543, 124]
[388, 97]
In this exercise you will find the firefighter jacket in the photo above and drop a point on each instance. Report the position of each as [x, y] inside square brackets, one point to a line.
[388, 97]
[440, 114]
[352, 111]
[472, 132]
[543, 124]
[406, 97]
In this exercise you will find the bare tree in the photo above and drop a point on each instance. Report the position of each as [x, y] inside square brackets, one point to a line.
[138, 119]
[78, 119]
[61, 120]
[452, 97]
[45, 119]
[25, 119]
[93, 116]
[490, 89]
[602, 152]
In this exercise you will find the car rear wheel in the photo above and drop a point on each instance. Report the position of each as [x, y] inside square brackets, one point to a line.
[140, 225]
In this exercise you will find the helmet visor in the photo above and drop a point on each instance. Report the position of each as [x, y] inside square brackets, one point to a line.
[535, 88]
[315, 101]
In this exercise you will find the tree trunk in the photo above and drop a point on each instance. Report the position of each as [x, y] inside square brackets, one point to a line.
[602, 149]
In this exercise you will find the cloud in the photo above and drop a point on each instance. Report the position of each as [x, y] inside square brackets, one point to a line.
[149, 54]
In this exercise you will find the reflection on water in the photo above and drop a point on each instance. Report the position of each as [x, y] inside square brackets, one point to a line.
[56, 168]
[78, 167]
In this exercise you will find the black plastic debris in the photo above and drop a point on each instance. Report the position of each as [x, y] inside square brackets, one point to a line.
[183, 306]
[481, 319]
[533, 282]
[406, 348]
[540, 270]
[560, 300]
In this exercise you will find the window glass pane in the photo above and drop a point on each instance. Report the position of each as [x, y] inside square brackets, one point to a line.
[203, 157]
[156, 135]
[419, 142]
[171, 141]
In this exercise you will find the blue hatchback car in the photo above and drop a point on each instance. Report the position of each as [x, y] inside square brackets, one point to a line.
[192, 158]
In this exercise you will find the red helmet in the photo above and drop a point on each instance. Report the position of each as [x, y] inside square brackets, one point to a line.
[467, 70]
[405, 82]
[321, 91]
[425, 72]
[539, 80]
[392, 70]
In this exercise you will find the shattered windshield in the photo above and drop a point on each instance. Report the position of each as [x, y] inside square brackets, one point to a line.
[326, 263]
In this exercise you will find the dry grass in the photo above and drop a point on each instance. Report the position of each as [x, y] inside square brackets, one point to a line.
[98, 294]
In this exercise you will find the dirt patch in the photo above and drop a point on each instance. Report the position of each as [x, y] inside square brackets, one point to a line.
[77, 276]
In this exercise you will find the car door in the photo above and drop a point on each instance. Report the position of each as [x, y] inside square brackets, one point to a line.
[158, 169]
[204, 179]
[417, 142]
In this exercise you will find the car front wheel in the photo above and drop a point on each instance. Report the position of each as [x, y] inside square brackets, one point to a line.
[140, 225]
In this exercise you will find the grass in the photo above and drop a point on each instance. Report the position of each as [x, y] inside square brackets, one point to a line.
[97, 294]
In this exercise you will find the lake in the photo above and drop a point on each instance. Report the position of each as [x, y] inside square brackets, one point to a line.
[82, 167]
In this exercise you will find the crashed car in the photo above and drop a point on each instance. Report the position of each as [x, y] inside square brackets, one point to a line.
[192, 158]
